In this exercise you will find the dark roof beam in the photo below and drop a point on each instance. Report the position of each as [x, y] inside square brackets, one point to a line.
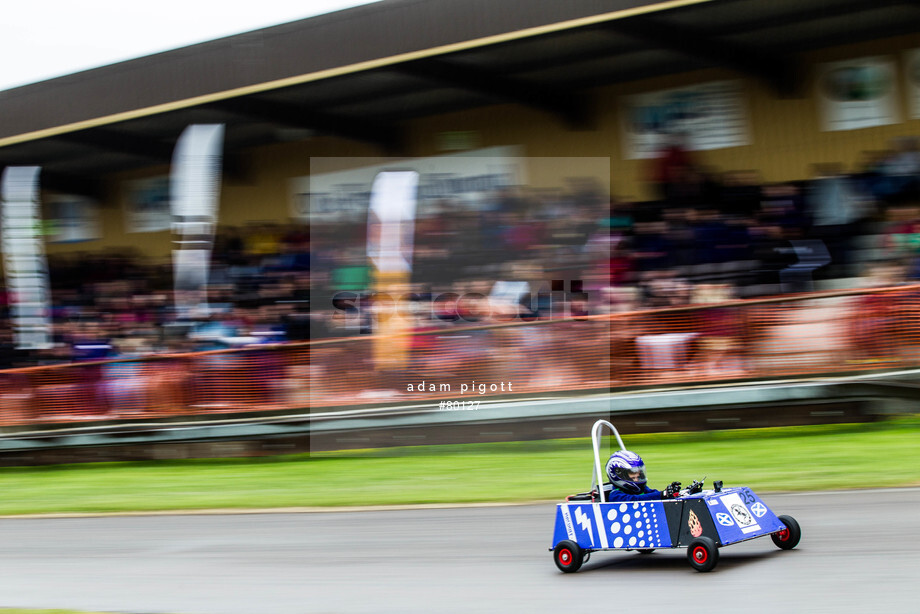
[625, 76]
[567, 59]
[901, 28]
[297, 116]
[65, 183]
[778, 72]
[794, 18]
[122, 143]
[568, 107]
[336, 98]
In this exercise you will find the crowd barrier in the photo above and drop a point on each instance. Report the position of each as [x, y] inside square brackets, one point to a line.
[785, 336]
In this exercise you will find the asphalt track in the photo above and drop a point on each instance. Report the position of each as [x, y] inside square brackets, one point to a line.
[859, 553]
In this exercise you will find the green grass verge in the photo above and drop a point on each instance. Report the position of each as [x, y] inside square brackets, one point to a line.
[880, 454]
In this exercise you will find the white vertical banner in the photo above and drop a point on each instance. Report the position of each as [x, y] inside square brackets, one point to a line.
[194, 186]
[391, 221]
[24, 258]
[390, 241]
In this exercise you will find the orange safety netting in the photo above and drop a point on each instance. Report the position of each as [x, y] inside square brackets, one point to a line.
[785, 336]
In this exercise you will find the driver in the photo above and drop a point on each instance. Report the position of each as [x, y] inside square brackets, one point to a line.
[627, 480]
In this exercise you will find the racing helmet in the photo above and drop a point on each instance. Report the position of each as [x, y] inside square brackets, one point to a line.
[627, 471]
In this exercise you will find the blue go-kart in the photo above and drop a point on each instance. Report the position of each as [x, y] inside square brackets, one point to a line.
[702, 521]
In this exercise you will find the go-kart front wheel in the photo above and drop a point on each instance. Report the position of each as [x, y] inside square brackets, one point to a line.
[702, 554]
[788, 538]
[568, 556]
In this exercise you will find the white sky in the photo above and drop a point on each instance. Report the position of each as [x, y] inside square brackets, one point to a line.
[43, 39]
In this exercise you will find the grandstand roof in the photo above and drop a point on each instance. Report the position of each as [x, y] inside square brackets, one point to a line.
[359, 73]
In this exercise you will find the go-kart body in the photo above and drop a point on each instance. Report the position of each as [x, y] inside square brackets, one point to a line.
[700, 520]
[727, 517]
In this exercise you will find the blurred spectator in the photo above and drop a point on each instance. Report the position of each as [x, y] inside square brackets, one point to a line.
[652, 248]
[902, 238]
[781, 205]
[835, 208]
[665, 289]
[899, 172]
[721, 331]
[741, 194]
[672, 168]
[875, 319]
[707, 228]
[9, 356]
[91, 342]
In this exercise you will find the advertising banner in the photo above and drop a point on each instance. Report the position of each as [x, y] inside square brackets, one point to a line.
[704, 116]
[858, 93]
[466, 179]
[146, 205]
[73, 219]
[390, 236]
[391, 221]
[194, 179]
[194, 190]
[24, 258]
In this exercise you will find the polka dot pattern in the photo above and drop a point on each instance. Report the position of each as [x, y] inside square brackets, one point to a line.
[636, 525]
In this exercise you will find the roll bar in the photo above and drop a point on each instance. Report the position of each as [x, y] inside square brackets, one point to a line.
[598, 479]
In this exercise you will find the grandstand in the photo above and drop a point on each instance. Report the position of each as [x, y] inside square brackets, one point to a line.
[669, 193]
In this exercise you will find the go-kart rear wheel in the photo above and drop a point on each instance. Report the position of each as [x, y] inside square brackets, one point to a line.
[702, 554]
[788, 538]
[568, 556]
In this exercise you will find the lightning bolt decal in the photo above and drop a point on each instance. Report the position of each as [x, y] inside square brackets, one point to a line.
[585, 521]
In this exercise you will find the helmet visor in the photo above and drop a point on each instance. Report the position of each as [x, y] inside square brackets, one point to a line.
[632, 474]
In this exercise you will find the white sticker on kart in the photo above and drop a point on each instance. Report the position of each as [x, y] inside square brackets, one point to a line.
[759, 509]
[567, 520]
[724, 519]
[740, 513]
